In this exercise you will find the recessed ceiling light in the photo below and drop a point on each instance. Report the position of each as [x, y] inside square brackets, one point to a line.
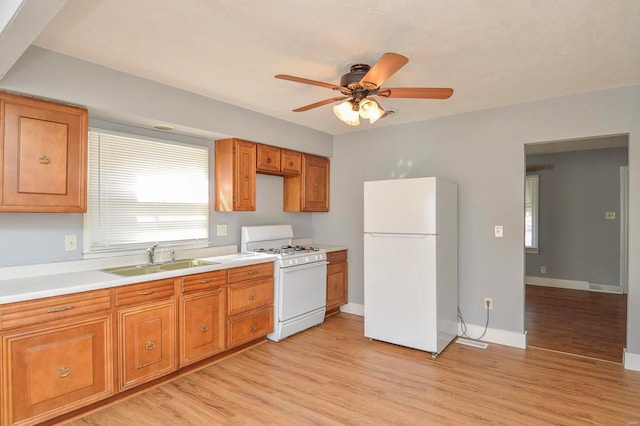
[162, 127]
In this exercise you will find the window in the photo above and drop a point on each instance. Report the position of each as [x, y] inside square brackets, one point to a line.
[531, 213]
[144, 191]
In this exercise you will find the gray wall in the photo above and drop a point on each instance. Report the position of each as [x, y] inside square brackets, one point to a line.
[484, 153]
[575, 240]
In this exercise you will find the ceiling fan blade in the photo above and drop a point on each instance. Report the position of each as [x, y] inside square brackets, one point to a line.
[307, 81]
[384, 68]
[317, 104]
[417, 92]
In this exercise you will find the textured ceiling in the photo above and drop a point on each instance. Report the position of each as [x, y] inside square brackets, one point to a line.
[492, 52]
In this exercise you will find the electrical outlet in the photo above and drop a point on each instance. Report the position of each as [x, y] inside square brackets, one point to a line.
[488, 303]
[498, 231]
[70, 242]
[543, 269]
[221, 230]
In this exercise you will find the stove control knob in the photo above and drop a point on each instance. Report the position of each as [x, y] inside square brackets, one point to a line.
[306, 259]
[295, 260]
[290, 262]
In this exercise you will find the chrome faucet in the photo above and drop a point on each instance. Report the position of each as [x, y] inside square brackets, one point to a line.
[151, 251]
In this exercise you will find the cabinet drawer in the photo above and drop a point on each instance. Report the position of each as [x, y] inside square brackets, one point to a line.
[53, 308]
[250, 272]
[337, 256]
[144, 292]
[252, 295]
[291, 162]
[51, 371]
[243, 329]
[203, 282]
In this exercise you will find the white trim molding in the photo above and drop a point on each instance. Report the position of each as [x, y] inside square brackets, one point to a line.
[630, 360]
[572, 284]
[495, 335]
[353, 308]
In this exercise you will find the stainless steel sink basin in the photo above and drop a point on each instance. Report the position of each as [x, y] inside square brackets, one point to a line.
[134, 270]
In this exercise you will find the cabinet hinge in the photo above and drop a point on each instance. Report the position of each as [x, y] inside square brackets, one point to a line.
[234, 149]
[234, 199]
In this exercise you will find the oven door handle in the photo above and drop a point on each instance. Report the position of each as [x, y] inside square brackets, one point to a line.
[307, 266]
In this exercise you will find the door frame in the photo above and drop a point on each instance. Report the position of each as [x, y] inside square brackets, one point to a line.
[624, 229]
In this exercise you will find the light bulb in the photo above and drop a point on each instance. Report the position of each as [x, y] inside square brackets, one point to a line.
[345, 112]
[370, 109]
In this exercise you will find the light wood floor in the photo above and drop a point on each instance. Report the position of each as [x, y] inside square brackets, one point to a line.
[332, 375]
[580, 322]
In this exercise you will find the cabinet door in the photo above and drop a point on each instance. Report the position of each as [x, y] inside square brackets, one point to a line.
[336, 285]
[51, 371]
[147, 343]
[245, 176]
[316, 184]
[248, 327]
[202, 326]
[43, 151]
[291, 162]
[268, 159]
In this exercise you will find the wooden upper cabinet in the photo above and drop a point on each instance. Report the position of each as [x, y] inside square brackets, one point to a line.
[308, 192]
[43, 155]
[276, 161]
[235, 174]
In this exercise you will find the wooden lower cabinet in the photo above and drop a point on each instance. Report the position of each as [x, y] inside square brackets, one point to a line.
[248, 327]
[50, 371]
[202, 326]
[146, 342]
[337, 280]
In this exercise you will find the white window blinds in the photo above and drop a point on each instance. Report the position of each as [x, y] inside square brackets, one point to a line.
[145, 191]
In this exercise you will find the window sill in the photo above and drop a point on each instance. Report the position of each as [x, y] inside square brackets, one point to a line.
[531, 251]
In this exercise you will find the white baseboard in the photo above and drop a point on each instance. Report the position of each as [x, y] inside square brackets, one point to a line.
[495, 335]
[572, 284]
[353, 308]
[631, 361]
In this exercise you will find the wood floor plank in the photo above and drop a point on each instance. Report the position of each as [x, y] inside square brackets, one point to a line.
[580, 322]
[333, 375]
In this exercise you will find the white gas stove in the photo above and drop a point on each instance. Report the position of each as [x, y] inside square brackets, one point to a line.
[299, 278]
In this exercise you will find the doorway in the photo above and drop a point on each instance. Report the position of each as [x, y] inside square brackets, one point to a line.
[575, 272]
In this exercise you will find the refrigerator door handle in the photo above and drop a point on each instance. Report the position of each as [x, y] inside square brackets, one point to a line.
[390, 235]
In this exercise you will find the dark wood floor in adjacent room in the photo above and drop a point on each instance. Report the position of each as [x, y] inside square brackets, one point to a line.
[332, 375]
[580, 322]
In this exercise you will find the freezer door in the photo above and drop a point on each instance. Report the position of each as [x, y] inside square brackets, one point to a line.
[400, 299]
[406, 206]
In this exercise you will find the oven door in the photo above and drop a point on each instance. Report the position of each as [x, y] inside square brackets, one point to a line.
[302, 289]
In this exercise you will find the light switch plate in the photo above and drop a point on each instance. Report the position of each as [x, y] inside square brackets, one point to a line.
[221, 230]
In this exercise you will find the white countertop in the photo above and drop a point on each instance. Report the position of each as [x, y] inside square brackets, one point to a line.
[37, 281]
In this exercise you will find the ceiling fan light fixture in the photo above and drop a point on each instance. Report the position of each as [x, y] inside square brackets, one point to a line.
[370, 110]
[345, 112]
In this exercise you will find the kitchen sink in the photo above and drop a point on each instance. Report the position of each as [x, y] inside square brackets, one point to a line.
[134, 270]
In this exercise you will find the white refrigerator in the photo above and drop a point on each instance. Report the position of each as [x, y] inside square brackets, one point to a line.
[411, 262]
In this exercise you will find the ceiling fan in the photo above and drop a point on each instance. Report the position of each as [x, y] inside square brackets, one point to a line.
[361, 83]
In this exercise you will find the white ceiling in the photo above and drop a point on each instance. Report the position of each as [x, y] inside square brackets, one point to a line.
[492, 52]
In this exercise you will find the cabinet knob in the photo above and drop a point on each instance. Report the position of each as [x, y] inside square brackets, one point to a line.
[268, 159]
[246, 178]
[335, 287]
[317, 185]
[43, 159]
[253, 328]
[63, 372]
[291, 163]
[150, 345]
[204, 328]
[252, 297]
